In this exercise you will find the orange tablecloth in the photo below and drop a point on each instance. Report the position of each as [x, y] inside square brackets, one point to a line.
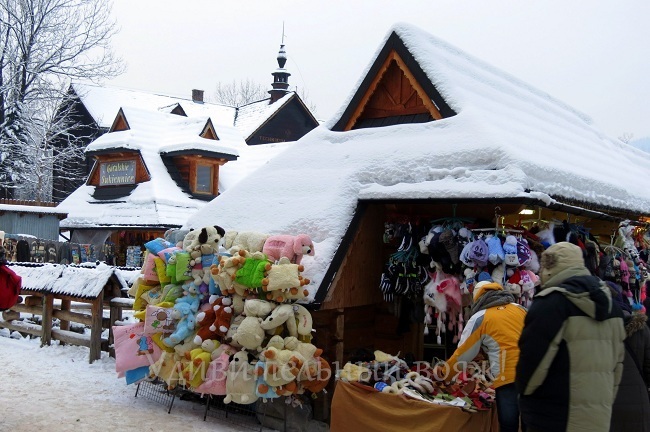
[356, 408]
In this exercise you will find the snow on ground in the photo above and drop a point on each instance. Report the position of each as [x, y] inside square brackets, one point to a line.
[54, 388]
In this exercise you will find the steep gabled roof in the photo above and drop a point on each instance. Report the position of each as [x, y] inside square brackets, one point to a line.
[159, 202]
[507, 140]
[103, 103]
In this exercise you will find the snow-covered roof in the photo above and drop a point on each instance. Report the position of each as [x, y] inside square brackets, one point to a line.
[103, 103]
[252, 116]
[82, 281]
[31, 209]
[156, 203]
[506, 140]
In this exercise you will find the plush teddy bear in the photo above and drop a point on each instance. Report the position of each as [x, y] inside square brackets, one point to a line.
[207, 239]
[191, 296]
[250, 334]
[240, 380]
[282, 314]
[292, 247]
[225, 273]
[234, 326]
[184, 313]
[214, 322]
[258, 308]
[249, 240]
[306, 350]
[318, 377]
[281, 366]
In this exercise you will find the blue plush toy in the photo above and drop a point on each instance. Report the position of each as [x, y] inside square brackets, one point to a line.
[191, 295]
[184, 327]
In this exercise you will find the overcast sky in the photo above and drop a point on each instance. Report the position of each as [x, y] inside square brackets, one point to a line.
[591, 54]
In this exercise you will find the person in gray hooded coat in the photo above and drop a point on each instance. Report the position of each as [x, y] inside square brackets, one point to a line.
[571, 348]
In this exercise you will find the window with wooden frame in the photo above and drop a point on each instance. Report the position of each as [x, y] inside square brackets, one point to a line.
[204, 179]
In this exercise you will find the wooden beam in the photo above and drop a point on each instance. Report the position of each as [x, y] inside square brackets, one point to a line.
[96, 329]
[66, 316]
[22, 327]
[65, 306]
[46, 319]
[34, 310]
[71, 337]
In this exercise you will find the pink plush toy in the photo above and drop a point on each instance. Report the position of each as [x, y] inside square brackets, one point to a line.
[292, 247]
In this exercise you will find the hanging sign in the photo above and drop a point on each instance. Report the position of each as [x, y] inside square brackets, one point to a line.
[117, 173]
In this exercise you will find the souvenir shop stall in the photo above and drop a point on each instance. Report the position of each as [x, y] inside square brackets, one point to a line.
[224, 324]
[431, 258]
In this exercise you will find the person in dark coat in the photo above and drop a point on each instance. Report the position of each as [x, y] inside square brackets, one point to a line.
[631, 409]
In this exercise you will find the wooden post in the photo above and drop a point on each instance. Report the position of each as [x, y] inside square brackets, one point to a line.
[96, 328]
[339, 335]
[65, 306]
[46, 323]
[115, 315]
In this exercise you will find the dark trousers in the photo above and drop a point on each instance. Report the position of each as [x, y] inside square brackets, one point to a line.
[507, 399]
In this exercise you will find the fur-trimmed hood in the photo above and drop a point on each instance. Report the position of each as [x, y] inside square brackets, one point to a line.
[634, 323]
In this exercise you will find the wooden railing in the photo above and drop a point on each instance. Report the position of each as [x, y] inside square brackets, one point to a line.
[44, 307]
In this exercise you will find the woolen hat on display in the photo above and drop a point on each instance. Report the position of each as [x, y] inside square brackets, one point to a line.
[558, 257]
[485, 286]
[479, 252]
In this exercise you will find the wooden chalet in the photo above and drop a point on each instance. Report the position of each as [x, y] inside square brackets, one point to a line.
[151, 170]
[430, 133]
[281, 117]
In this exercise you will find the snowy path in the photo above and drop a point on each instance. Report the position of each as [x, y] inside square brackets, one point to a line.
[56, 389]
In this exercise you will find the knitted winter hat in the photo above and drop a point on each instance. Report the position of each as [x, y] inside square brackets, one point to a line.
[464, 255]
[533, 264]
[523, 252]
[485, 286]
[560, 256]
[510, 249]
[484, 276]
[625, 272]
[448, 239]
[478, 252]
[495, 250]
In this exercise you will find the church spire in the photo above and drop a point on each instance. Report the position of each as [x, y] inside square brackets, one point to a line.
[280, 76]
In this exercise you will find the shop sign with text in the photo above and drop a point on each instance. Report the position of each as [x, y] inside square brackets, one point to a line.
[117, 173]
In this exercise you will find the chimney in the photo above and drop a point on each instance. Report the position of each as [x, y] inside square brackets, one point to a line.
[197, 96]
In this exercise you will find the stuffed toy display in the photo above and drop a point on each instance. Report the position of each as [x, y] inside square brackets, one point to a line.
[224, 323]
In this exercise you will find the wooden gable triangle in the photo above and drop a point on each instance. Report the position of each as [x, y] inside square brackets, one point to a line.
[208, 131]
[120, 123]
[395, 91]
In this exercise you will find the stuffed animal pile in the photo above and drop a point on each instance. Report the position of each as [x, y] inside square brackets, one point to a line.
[470, 390]
[226, 320]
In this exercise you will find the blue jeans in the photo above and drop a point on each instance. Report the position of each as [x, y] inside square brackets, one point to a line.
[507, 399]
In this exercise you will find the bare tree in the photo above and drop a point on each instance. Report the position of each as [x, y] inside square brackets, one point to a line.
[239, 93]
[45, 44]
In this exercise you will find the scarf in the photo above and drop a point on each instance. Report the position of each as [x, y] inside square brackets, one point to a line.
[492, 299]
